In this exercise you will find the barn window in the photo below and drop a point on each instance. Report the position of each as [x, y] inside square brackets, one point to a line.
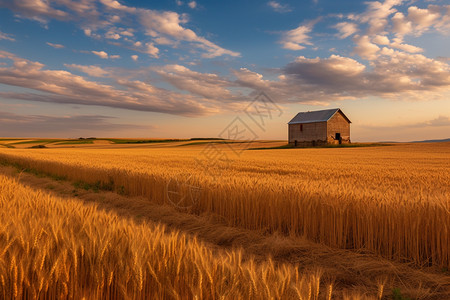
[301, 127]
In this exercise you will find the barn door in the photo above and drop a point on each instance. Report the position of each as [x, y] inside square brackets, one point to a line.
[338, 137]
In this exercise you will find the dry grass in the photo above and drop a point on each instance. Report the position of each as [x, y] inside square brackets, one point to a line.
[53, 248]
[393, 201]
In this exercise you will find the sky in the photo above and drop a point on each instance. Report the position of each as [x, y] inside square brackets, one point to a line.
[183, 69]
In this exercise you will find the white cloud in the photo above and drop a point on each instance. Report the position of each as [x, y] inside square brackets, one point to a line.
[383, 16]
[401, 25]
[192, 4]
[376, 15]
[38, 10]
[105, 55]
[112, 35]
[151, 50]
[83, 8]
[422, 18]
[278, 7]
[381, 40]
[253, 80]
[212, 50]
[56, 46]
[116, 5]
[58, 86]
[398, 44]
[165, 41]
[87, 32]
[293, 39]
[393, 74]
[4, 36]
[338, 67]
[94, 71]
[210, 86]
[154, 23]
[364, 48]
[128, 32]
[179, 3]
[443, 25]
[169, 24]
[394, 69]
[292, 46]
[115, 19]
[101, 54]
[346, 29]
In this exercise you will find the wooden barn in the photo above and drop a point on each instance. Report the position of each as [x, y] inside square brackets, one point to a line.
[319, 127]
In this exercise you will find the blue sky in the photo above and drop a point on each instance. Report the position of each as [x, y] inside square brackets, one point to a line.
[188, 68]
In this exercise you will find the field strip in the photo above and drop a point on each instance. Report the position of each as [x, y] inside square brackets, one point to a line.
[341, 265]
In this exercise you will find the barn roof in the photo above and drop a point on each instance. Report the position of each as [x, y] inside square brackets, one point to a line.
[316, 116]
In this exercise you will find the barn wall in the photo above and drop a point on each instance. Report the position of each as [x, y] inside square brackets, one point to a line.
[311, 132]
[338, 124]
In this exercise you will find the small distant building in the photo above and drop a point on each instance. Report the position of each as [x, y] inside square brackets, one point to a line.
[319, 127]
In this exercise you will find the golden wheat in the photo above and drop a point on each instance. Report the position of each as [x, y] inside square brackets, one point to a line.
[393, 200]
[57, 248]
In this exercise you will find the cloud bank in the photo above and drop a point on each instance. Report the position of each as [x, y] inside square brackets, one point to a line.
[111, 19]
[60, 86]
[380, 64]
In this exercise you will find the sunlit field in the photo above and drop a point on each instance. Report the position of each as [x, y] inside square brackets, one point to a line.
[388, 201]
[53, 248]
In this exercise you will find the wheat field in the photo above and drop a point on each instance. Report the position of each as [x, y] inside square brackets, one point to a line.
[392, 201]
[54, 248]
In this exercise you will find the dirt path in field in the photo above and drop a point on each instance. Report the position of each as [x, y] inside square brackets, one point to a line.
[348, 269]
